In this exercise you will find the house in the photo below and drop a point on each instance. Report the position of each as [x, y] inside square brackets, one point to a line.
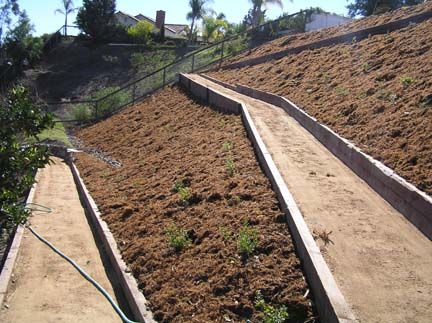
[171, 30]
[325, 20]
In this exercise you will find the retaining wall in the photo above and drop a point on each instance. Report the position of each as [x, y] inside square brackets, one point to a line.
[134, 297]
[330, 303]
[414, 204]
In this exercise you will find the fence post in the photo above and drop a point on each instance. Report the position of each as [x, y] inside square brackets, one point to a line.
[222, 54]
[164, 77]
[193, 62]
[133, 93]
[96, 104]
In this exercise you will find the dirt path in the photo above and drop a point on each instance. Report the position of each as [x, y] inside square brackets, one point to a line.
[45, 287]
[381, 262]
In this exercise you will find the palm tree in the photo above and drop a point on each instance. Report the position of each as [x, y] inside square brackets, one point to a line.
[257, 12]
[68, 7]
[198, 12]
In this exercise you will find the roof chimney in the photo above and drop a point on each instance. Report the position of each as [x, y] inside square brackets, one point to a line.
[160, 19]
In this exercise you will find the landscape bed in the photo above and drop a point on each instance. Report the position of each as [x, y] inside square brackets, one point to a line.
[301, 39]
[376, 93]
[186, 167]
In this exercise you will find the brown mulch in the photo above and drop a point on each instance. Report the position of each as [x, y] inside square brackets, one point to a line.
[167, 138]
[376, 93]
[313, 36]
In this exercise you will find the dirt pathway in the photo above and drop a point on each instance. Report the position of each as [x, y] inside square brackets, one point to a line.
[381, 262]
[45, 287]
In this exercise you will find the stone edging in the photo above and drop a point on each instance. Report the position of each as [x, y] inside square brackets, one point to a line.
[134, 297]
[414, 204]
[7, 270]
[331, 304]
[345, 38]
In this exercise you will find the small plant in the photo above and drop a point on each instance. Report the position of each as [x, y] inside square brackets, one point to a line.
[227, 146]
[177, 237]
[342, 91]
[323, 235]
[178, 184]
[234, 200]
[229, 166]
[184, 194]
[225, 232]
[271, 314]
[366, 67]
[183, 191]
[407, 80]
[247, 240]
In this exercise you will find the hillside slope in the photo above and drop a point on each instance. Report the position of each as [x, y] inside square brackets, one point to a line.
[73, 70]
[307, 38]
[376, 93]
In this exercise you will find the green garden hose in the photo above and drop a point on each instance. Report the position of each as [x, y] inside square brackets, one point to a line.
[74, 264]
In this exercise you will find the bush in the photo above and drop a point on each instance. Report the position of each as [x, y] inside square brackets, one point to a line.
[81, 112]
[20, 120]
[112, 103]
[141, 32]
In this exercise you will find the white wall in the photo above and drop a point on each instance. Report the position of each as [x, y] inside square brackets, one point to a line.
[125, 20]
[324, 20]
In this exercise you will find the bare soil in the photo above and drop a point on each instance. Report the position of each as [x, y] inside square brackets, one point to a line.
[313, 36]
[376, 93]
[167, 138]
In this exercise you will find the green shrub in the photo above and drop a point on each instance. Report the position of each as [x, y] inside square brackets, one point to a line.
[141, 32]
[271, 314]
[177, 237]
[21, 120]
[81, 112]
[111, 103]
[247, 240]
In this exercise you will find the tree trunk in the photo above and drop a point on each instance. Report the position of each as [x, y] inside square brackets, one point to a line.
[191, 30]
[65, 27]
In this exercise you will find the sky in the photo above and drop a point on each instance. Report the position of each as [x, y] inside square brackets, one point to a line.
[41, 12]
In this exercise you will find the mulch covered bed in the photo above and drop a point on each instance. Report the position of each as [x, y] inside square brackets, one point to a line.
[376, 93]
[301, 39]
[170, 138]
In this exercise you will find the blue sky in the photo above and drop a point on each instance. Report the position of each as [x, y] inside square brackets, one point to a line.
[42, 12]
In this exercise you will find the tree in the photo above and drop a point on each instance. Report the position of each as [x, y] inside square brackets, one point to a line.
[214, 28]
[8, 8]
[198, 11]
[257, 14]
[96, 18]
[68, 8]
[370, 7]
[20, 46]
[19, 119]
